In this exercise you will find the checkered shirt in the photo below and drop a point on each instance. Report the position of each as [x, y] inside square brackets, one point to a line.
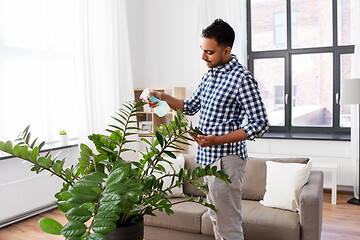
[225, 95]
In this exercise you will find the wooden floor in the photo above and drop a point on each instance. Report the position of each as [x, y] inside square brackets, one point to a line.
[340, 222]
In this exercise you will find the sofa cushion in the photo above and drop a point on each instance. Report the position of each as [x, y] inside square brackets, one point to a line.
[206, 225]
[186, 217]
[275, 224]
[284, 182]
[189, 189]
[255, 176]
[260, 221]
[177, 164]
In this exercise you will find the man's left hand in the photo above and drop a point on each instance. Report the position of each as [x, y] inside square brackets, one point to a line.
[206, 141]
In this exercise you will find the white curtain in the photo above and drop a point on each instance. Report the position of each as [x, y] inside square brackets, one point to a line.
[37, 85]
[103, 71]
[232, 12]
[355, 121]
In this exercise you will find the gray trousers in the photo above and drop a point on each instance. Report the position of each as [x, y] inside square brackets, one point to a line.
[227, 223]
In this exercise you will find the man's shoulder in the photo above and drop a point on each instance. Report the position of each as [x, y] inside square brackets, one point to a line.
[240, 72]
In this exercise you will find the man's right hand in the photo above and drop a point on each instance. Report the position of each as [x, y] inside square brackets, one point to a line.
[174, 103]
[155, 94]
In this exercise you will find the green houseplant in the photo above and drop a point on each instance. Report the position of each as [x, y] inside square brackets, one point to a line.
[63, 137]
[103, 191]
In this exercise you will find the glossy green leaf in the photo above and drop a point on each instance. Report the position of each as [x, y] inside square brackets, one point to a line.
[188, 174]
[8, 147]
[77, 201]
[160, 138]
[24, 152]
[63, 206]
[156, 198]
[88, 206]
[74, 238]
[169, 211]
[78, 214]
[97, 177]
[65, 195]
[107, 216]
[96, 236]
[118, 188]
[34, 154]
[83, 192]
[133, 196]
[181, 174]
[170, 154]
[58, 167]
[113, 198]
[41, 145]
[33, 144]
[26, 130]
[73, 229]
[119, 175]
[42, 161]
[86, 183]
[68, 174]
[16, 150]
[51, 226]
[85, 149]
[110, 208]
[28, 135]
[35, 169]
[103, 226]
[2, 146]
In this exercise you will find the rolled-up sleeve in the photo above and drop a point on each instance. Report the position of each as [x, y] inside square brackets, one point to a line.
[250, 100]
[192, 105]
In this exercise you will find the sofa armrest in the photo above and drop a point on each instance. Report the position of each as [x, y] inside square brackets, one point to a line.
[311, 206]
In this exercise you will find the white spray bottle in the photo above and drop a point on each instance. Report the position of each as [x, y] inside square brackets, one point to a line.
[160, 110]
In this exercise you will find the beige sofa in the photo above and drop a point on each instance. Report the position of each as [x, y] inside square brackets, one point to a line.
[191, 221]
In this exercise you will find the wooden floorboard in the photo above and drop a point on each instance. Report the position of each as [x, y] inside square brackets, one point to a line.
[340, 222]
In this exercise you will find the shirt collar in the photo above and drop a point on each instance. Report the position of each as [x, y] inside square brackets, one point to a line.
[228, 66]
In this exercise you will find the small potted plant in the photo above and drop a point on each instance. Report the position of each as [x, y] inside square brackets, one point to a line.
[104, 194]
[64, 140]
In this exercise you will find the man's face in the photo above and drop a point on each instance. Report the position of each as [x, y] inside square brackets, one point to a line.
[213, 54]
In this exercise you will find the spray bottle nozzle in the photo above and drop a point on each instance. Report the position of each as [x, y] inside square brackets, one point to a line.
[145, 94]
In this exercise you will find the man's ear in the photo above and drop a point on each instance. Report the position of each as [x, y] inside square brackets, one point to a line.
[227, 51]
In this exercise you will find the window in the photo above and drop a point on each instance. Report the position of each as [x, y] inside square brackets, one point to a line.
[280, 28]
[37, 84]
[299, 52]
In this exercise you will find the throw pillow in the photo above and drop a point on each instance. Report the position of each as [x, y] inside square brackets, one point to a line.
[178, 163]
[255, 176]
[284, 182]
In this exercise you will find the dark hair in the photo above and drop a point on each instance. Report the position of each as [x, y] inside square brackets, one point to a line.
[221, 32]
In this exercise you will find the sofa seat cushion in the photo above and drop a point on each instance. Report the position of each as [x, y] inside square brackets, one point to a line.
[276, 224]
[186, 217]
[260, 222]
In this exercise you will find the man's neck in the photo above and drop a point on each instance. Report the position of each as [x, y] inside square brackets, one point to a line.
[226, 61]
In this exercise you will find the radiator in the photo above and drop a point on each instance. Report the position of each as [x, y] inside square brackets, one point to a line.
[26, 197]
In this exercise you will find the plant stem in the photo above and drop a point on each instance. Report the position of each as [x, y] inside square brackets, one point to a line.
[95, 212]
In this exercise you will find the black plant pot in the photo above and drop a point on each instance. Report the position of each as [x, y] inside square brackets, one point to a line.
[130, 232]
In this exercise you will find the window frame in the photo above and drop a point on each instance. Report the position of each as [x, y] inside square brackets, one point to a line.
[287, 54]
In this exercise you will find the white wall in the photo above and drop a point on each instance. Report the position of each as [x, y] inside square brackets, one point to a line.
[23, 191]
[319, 151]
[135, 18]
[172, 55]
[172, 58]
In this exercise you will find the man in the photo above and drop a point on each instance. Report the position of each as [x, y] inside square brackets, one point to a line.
[227, 92]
